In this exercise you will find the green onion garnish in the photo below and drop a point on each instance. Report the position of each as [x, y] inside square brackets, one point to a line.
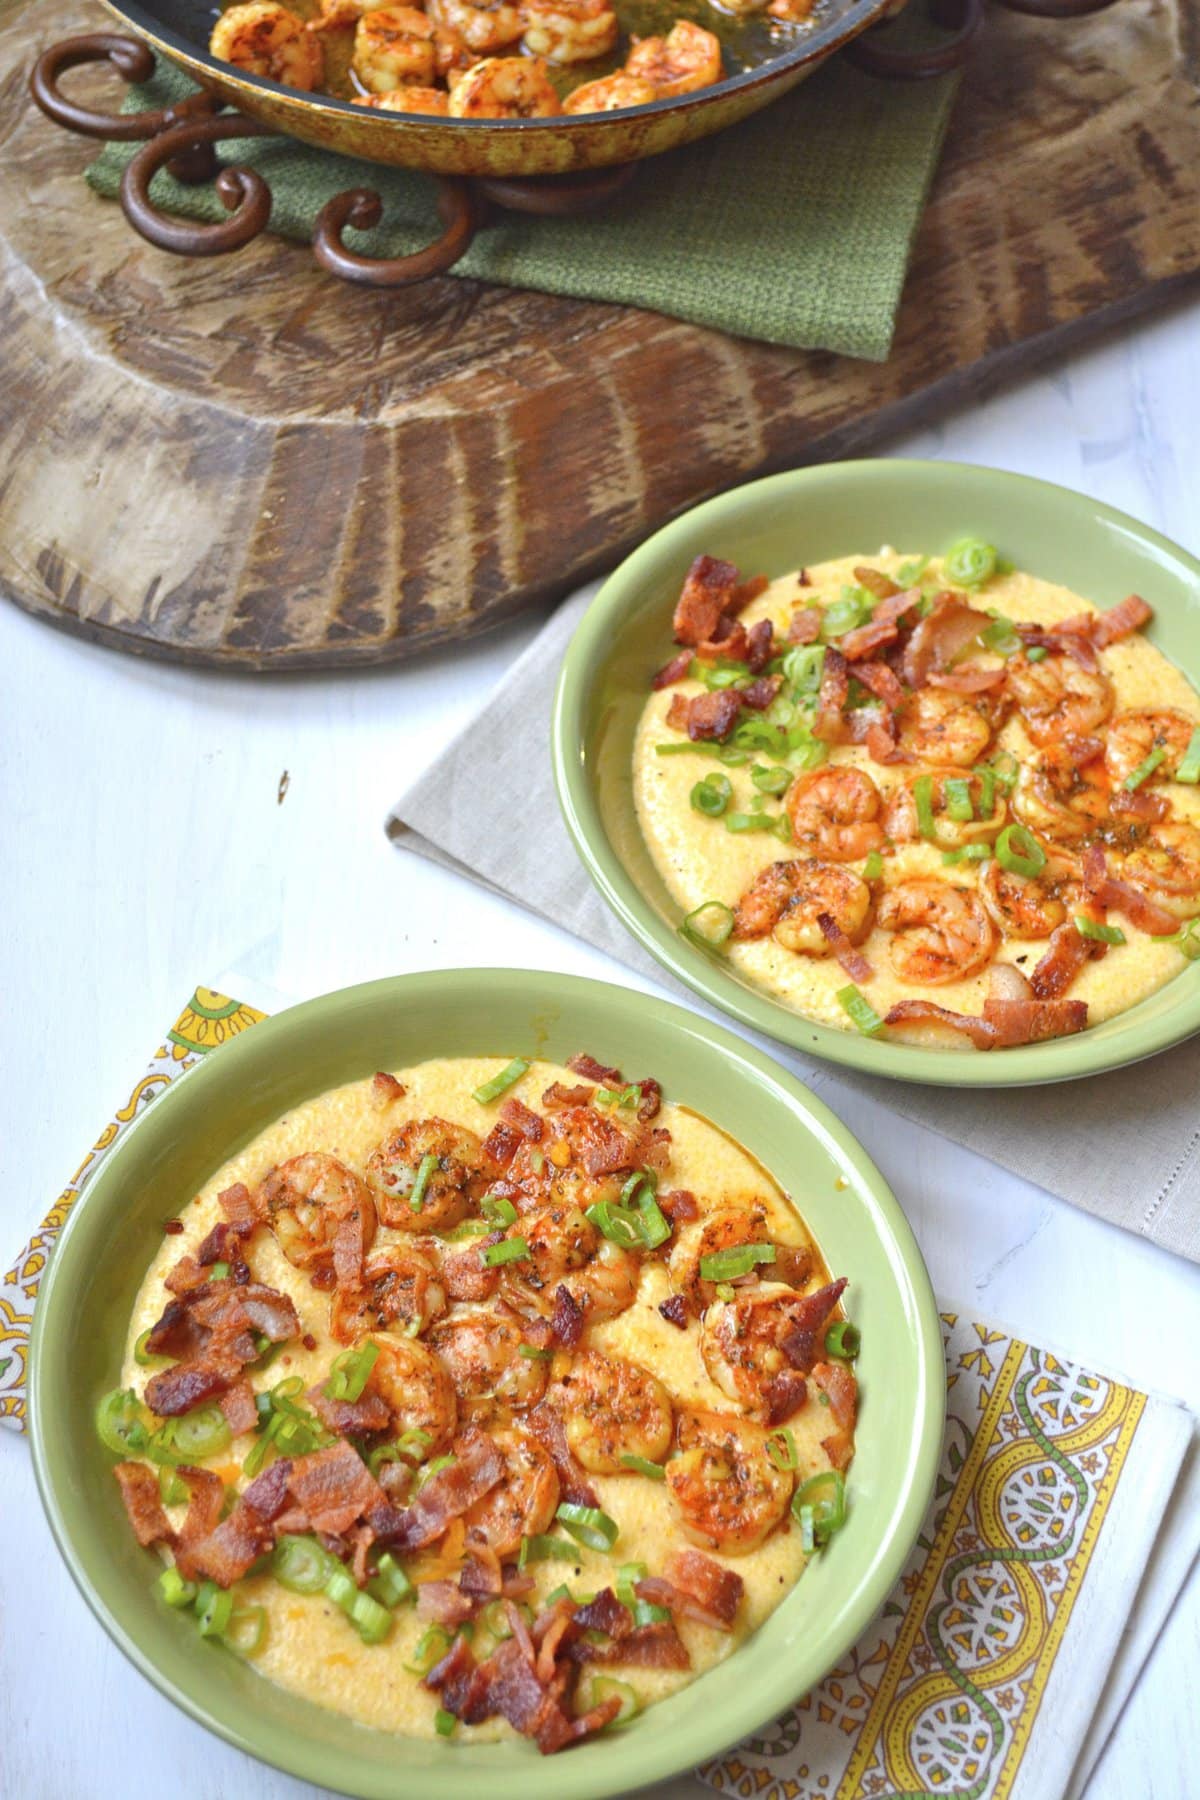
[247, 1630]
[413, 1444]
[444, 1723]
[825, 1495]
[1036, 653]
[214, 1609]
[141, 1354]
[967, 853]
[732, 1264]
[390, 1585]
[430, 1648]
[803, 1516]
[371, 1620]
[301, 1565]
[607, 1687]
[754, 821]
[416, 1198]
[435, 1468]
[712, 795]
[726, 1290]
[781, 1450]
[174, 1589]
[1006, 769]
[511, 1250]
[853, 609]
[646, 1613]
[219, 1271]
[909, 573]
[656, 1227]
[542, 1548]
[803, 666]
[957, 793]
[1100, 934]
[1189, 766]
[970, 562]
[1000, 636]
[641, 1465]
[872, 869]
[1018, 851]
[922, 793]
[1187, 939]
[533, 1353]
[770, 780]
[491, 1090]
[1145, 769]
[862, 1014]
[987, 789]
[120, 1422]
[202, 1433]
[588, 1526]
[172, 1491]
[498, 1211]
[470, 1228]
[615, 1222]
[708, 924]
[348, 1376]
[843, 1339]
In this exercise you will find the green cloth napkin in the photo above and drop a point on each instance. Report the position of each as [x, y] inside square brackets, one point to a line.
[793, 227]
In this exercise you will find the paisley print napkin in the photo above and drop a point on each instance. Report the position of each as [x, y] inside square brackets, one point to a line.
[1032, 1596]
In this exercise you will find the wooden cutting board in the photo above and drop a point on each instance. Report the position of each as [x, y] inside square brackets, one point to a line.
[242, 462]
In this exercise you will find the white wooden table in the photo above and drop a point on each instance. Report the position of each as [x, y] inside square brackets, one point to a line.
[144, 848]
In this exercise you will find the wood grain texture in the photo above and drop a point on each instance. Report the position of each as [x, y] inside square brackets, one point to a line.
[245, 463]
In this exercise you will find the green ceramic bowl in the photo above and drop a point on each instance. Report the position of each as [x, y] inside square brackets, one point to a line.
[808, 516]
[218, 1106]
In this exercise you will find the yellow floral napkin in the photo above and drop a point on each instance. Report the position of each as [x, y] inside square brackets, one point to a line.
[1065, 1520]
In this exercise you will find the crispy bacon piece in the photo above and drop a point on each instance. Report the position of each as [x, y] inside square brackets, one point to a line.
[719, 1591]
[829, 724]
[919, 1012]
[605, 1613]
[237, 1204]
[223, 1244]
[784, 1395]
[650, 1104]
[351, 1241]
[334, 1487]
[1142, 803]
[226, 1553]
[941, 636]
[522, 1118]
[837, 1382]
[465, 1275]
[674, 1311]
[591, 1070]
[853, 961]
[749, 590]
[1067, 950]
[1123, 897]
[803, 1340]
[237, 1403]
[350, 1418]
[385, 1088]
[187, 1385]
[557, 1096]
[881, 680]
[972, 679]
[567, 1318]
[680, 1206]
[269, 1492]
[477, 1467]
[547, 1427]
[1119, 621]
[1079, 645]
[646, 1647]
[213, 1328]
[673, 671]
[706, 717]
[759, 695]
[709, 590]
[501, 1144]
[445, 1602]
[760, 642]
[601, 1146]
[875, 581]
[883, 741]
[864, 640]
[462, 1684]
[805, 625]
[481, 1577]
[139, 1490]
[1031, 1021]
[186, 1275]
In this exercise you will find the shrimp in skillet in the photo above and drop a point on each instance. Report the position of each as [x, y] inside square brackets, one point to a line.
[408, 99]
[687, 58]
[482, 1350]
[400, 1286]
[726, 1490]
[940, 933]
[427, 1173]
[609, 94]
[306, 1199]
[524, 1502]
[392, 46]
[569, 31]
[942, 727]
[504, 87]
[788, 898]
[612, 1409]
[1058, 696]
[564, 1249]
[1132, 737]
[265, 39]
[835, 813]
[485, 30]
[415, 1387]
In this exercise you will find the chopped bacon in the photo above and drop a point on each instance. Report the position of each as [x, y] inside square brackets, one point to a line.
[1142, 803]
[809, 1315]
[708, 591]
[875, 581]
[1031, 1021]
[673, 671]
[1124, 897]
[237, 1403]
[1077, 644]
[805, 625]
[481, 1577]
[784, 1395]
[547, 1426]
[864, 640]
[749, 590]
[759, 695]
[139, 1490]
[838, 1383]
[647, 1647]
[853, 961]
[941, 636]
[179, 1390]
[452, 1491]
[883, 741]
[674, 1311]
[653, 1149]
[334, 1487]
[396, 1479]
[650, 1104]
[973, 679]
[557, 1096]
[567, 1318]
[880, 679]
[462, 1684]
[760, 641]
[706, 717]
[501, 1144]
[591, 1070]
[226, 1553]
[237, 1204]
[834, 692]
[1119, 621]
[718, 1590]
[269, 1312]
[920, 1012]
[351, 1241]
[1067, 950]
[600, 1145]
[186, 1275]
[268, 1493]
[385, 1088]
[680, 1206]
[605, 1613]
[350, 1418]
[465, 1275]
[522, 1118]
[223, 1244]
[444, 1602]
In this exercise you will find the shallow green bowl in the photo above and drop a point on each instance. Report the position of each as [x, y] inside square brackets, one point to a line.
[808, 516]
[220, 1105]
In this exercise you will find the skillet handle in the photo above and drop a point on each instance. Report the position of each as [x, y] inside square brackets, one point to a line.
[132, 59]
[962, 17]
[187, 149]
[458, 208]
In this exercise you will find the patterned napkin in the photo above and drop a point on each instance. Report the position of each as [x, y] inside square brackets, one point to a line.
[1031, 1597]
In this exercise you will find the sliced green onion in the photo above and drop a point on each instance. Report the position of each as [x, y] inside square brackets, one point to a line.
[219, 1271]
[970, 562]
[770, 780]
[214, 1609]
[413, 1444]
[641, 1465]
[1036, 653]
[825, 1496]
[1099, 934]
[803, 667]
[497, 1210]
[605, 1096]
[1005, 768]
[646, 1613]
[172, 1491]
[872, 869]
[444, 1723]
[142, 1355]
[301, 1565]
[629, 1574]
[1189, 766]
[726, 1290]
[853, 609]
[803, 1516]
[751, 821]
[286, 1390]
[371, 1620]
[862, 1014]
[843, 1339]
[1144, 770]
[909, 573]
[1187, 939]
[425, 1169]
[389, 1584]
[987, 789]
[256, 1456]
[202, 1433]
[781, 1450]
[967, 853]
[382, 1455]
[430, 1648]
[120, 1422]
[655, 1226]
[174, 1589]
[561, 1592]
[708, 924]
[434, 1468]
[543, 1548]
[606, 1687]
[615, 1222]
[499, 1084]
[533, 1354]
[351, 1371]
[957, 793]
[922, 793]
[470, 1228]
[1018, 851]
[732, 1264]
[511, 1250]
[246, 1631]
[588, 1525]
[712, 795]
[1000, 636]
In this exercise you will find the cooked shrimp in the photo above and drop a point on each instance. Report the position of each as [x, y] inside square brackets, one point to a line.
[265, 39]
[610, 93]
[1134, 736]
[1168, 861]
[727, 1491]
[729, 1229]
[834, 813]
[1057, 696]
[482, 1350]
[901, 819]
[941, 933]
[612, 1409]
[400, 1286]
[304, 1201]
[485, 30]
[687, 58]
[504, 87]
[569, 31]
[452, 1179]
[789, 897]
[1025, 906]
[393, 46]
[793, 12]
[1062, 800]
[336, 13]
[408, 99]
[415, 1387]
[524, 1502]
[945, 728]
[565, 1250]
[741, 1339]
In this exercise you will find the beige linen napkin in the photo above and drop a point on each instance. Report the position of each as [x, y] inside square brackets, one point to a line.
[1125, 1146]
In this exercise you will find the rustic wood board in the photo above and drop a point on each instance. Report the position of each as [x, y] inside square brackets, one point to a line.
[244, 463]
